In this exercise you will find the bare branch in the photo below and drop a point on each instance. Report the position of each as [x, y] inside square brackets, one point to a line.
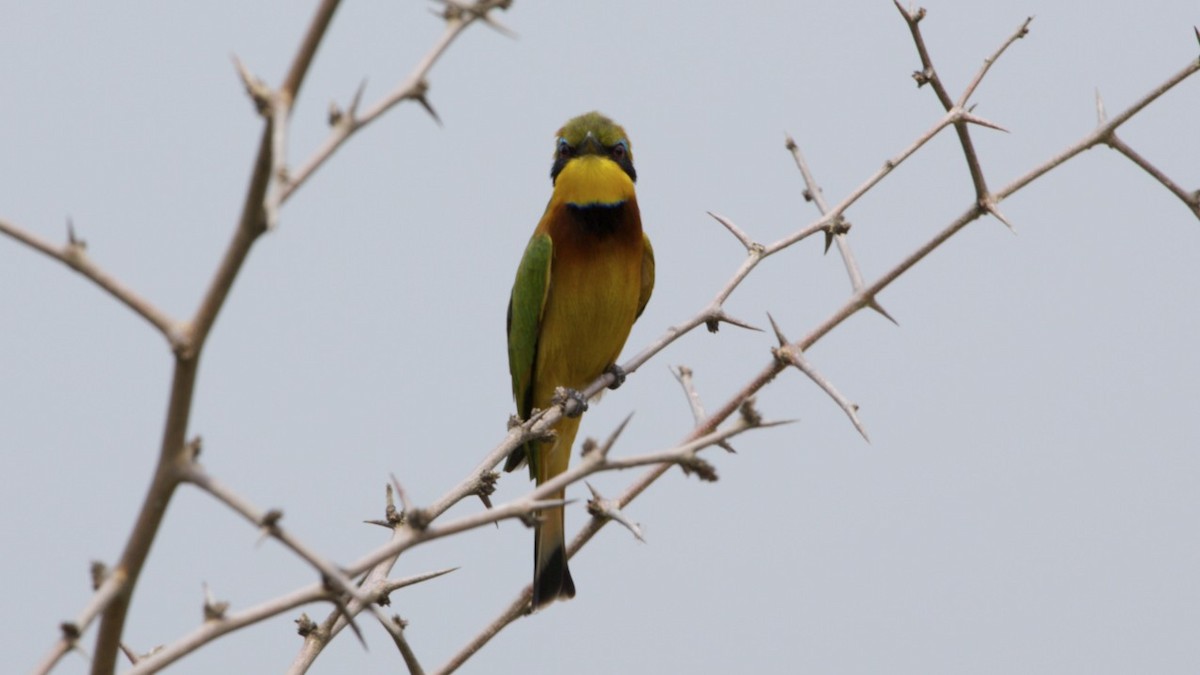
[928, 75]
[683, 375]
[269, 522]
[1021, 32]
[517, 608]
[792, 356]
[749, 243]
[1100, 134]
[1191, 199]
[74, 255]
[813, 193]
[211, 630]
[413, 88]
[106, 590]
[396, 630]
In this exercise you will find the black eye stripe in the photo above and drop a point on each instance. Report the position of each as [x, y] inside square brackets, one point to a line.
[618, 152]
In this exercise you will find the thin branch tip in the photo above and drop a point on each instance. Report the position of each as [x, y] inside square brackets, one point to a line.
[752, 247]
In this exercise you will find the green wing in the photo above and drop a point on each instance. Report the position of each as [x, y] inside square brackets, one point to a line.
[524, 325]
[647, 274]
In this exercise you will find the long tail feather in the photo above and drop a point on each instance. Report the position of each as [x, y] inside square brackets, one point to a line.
[551, 576]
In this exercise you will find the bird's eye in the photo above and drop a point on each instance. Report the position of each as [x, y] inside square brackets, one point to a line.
[564, 149]
[620, 151]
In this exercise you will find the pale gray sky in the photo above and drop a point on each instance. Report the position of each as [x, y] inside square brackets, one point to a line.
[1028, 502]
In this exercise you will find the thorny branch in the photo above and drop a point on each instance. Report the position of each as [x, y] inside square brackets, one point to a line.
[73, 254]
[216, 627]
[862, 297]
[458, 17]
[683, 375]
[407, 536]
[272, 183]
[268, 187]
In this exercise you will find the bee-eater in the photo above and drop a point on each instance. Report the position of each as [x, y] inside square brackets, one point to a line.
[585, 277]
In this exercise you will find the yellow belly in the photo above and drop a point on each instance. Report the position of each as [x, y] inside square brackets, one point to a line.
[589, 311]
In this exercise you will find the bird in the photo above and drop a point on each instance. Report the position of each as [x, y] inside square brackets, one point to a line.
[584, 278]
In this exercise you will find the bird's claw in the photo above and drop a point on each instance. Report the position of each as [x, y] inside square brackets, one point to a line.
[572, 401]
[618, 374]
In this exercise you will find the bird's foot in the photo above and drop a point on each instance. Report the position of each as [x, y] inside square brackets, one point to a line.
[618, 374]
[572, 401]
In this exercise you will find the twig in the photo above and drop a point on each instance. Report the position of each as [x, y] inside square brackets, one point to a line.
[928, 75]
[1191, 199]
[738, 232]
[414, 87]
[683, 375]
[406, 652]
[269, 522]
[72, 630]
[213, 629]
[73, 254]
[1021, 32]
[793, 356]
[813, 192]
[1100, 134]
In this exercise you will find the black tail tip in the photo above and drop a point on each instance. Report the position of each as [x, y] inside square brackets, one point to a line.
[553, 582]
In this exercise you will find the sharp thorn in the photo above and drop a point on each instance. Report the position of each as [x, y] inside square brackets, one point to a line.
[429, 109]
[873, 304]
[1101, 115]
[612, 438]
[778, 332]
[975, 119]
[358, 94]
[736, 322]
[1000, 216]
[499, 27]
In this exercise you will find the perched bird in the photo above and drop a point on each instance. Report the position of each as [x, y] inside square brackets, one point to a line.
[585, 277]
